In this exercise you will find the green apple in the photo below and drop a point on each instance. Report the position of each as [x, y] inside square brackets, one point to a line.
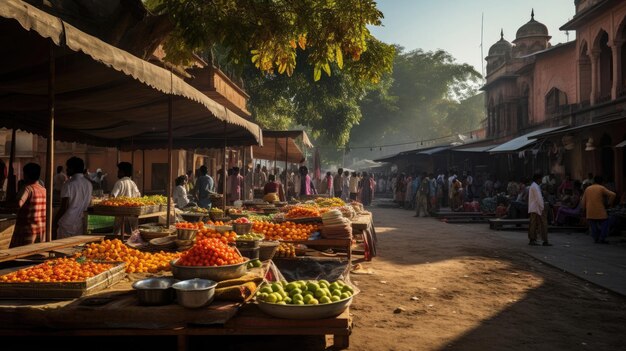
[297, 297]
[320, 293]
[267, 290]
[345, 296]
[335, 298]
[325, 299]
[271, 298]
[276, 287]
[312, 287]
[313, 302]
[308, 298]
[295, 291]
[300, 302]
[291, 286]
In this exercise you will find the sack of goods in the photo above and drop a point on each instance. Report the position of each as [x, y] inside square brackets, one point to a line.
[336, 226]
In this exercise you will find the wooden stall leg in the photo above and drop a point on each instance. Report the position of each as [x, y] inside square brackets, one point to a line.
[341, 342]
[182, 342]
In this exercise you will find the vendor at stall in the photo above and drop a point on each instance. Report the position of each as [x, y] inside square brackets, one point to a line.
[273, 190]
[30, 226]
[180, 196]
[125, 187]
[204, 187]
[75, 199]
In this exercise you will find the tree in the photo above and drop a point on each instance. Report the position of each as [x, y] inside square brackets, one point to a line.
[420, 100]
[272, 34]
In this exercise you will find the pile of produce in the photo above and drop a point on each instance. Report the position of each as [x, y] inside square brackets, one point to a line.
[303, 212]
[286, 250]
[123, 201]
[242, 220]
[136, 261]
[210, 252]
[284, 230]
[190, 225]
[209, 233]
[196, 209]
[215, 223]
[252, 236]
[329, 202]
[216, 212]
[56, 271]
[305, 292]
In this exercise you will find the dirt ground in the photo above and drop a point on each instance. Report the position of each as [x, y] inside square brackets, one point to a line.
[461, 287]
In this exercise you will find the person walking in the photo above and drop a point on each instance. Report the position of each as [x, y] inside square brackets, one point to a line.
[594, 202]
[345, 186]
[204, 187]
[422, 195]
[538, 214]
[30, 225]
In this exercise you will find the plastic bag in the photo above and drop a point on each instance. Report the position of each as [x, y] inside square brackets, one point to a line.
[309, 269]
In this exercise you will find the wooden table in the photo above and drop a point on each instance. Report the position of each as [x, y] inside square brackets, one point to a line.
[123, 316]
[28, 250]
[330, 243]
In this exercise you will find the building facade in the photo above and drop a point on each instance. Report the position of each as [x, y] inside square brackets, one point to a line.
[575, 91]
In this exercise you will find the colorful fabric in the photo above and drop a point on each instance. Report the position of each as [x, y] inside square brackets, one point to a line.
[594, 200]
[30, 225]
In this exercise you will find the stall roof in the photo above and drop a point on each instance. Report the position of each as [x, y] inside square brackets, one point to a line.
[435, 150]
[522, 141]
[275, 149]
[289, 134]
[103, 95]
[619, 119]
[483, 148]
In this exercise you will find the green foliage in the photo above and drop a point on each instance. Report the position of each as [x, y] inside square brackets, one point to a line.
[425, 97]
[271, 34]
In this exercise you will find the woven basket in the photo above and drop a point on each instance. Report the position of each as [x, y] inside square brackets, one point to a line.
[242, 228]
[267, 250]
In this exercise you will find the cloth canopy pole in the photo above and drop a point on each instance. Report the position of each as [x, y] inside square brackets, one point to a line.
[143, 171]
[224, 173]
[244, 168]
[12, 182]
[286, 159]
[50, 149]
[170, 141]
[275, 156]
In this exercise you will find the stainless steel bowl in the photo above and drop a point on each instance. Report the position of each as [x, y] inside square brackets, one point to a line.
[186, 234]
[195, 293]
[155, 291]
[217, 273]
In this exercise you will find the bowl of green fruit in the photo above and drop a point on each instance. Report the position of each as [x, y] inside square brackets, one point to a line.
[313, 299]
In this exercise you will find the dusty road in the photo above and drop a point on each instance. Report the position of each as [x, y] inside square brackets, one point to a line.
[472, 290]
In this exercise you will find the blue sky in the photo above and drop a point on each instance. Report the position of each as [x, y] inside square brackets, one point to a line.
[454, 25]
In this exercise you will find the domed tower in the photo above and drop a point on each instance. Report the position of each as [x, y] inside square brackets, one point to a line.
[499, 54]
[531, 37]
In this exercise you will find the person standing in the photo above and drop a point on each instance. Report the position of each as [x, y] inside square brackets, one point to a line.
[421, 201]
[538, 214]
[75, 199]
[367, 189]
[125, 187]
[345, 186]
[203, 187]
[235, 184]
[594, 205]
[354, 186]
[30, 225]
[328, 185]
[57, 182]
[190, 181]
[179, 195]
[337, 183]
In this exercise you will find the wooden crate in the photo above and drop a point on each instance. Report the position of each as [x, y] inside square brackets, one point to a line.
[64, 290]
[6, 232]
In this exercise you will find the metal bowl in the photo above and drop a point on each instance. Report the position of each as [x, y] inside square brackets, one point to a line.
[223, 228]
[217, 273]
[155, 291]
[242, 228]
[186, 234]
[326, 310]
[195, 293]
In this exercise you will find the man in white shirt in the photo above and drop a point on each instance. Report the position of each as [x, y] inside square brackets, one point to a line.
[126, 187]
[538, 214]
[75, 198]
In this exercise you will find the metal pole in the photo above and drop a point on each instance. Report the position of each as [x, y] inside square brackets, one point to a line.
[224, 173]
[50, 150]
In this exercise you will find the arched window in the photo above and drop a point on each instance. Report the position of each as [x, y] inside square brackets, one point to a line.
[584, 75]
[554, 99]
[605, 79]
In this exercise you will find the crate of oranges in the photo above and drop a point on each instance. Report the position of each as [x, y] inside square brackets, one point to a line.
[285, 230]
[136, 261]
[61, 278]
